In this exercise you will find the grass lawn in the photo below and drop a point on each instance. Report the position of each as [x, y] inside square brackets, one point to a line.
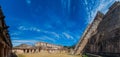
[45, 54]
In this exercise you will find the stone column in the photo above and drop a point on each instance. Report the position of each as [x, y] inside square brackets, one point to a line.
[8, 52]
[1, 51]
[39, 49]
[30, 50]
[25, 50]
[5, 52]
[34, 50]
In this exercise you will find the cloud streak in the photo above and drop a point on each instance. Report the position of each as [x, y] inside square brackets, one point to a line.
[102, 6]
[57, 21]
[67, 35]
[25, 28]
[24, 41]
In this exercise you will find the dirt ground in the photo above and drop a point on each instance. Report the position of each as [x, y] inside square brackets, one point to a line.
[45, 54]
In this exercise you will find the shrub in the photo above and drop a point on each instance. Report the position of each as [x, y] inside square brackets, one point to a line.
[84, 55]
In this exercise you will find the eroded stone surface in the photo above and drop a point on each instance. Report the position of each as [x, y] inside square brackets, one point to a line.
[105, 39]
[5, 42]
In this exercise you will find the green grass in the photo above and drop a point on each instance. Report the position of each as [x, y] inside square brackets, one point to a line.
[20, 55]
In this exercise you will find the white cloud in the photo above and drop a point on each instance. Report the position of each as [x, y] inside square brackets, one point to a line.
[102, 6]
[66, 4]
[15, 33]
[18, 42]
[28, 1]
[117, 0]
[53, 33]
[24, 28]
[44, 38]
[69, 5]
[23, 41]
[67, 35]
[86, 2]
[15, 38]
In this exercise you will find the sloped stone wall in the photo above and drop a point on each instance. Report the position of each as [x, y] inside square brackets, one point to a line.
[107, 39]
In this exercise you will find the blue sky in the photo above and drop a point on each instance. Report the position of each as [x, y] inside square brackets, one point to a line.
[59, 22]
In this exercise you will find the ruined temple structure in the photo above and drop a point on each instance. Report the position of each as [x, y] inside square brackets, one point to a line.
[24, 48]
[91, 29]
[39, 47]
[102, 36]
[5, 42]
[50, 47]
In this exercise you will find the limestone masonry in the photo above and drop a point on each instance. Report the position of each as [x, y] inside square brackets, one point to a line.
[5, 42]
[39, 47]
[102, 37]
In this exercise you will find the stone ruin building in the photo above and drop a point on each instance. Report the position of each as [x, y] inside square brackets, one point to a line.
[50, 47]
[102, 36]
[39, 47]
[91, 29]
[24, 48]
[5, 41]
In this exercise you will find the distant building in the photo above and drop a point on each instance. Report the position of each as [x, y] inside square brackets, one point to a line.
[40, 47]
[47, 45]
[5, 41]
[24, 48]
[102, 37]
[51, 47]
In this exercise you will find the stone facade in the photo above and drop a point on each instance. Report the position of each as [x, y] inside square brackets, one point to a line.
[47, 45]
[50, 47]
[24, 48]
[39, 47]
[91, 29]
[105, 40]
[5, 42]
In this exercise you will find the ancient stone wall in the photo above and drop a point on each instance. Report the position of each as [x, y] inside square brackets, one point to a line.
[44, 45]
[91, 30]
[107, 39]
[5, 42]
[40, 47]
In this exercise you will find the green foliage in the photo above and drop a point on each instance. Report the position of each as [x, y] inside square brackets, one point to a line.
[84, 55]
[70, 47]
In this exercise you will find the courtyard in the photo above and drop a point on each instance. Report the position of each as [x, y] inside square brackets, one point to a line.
[46, 54]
